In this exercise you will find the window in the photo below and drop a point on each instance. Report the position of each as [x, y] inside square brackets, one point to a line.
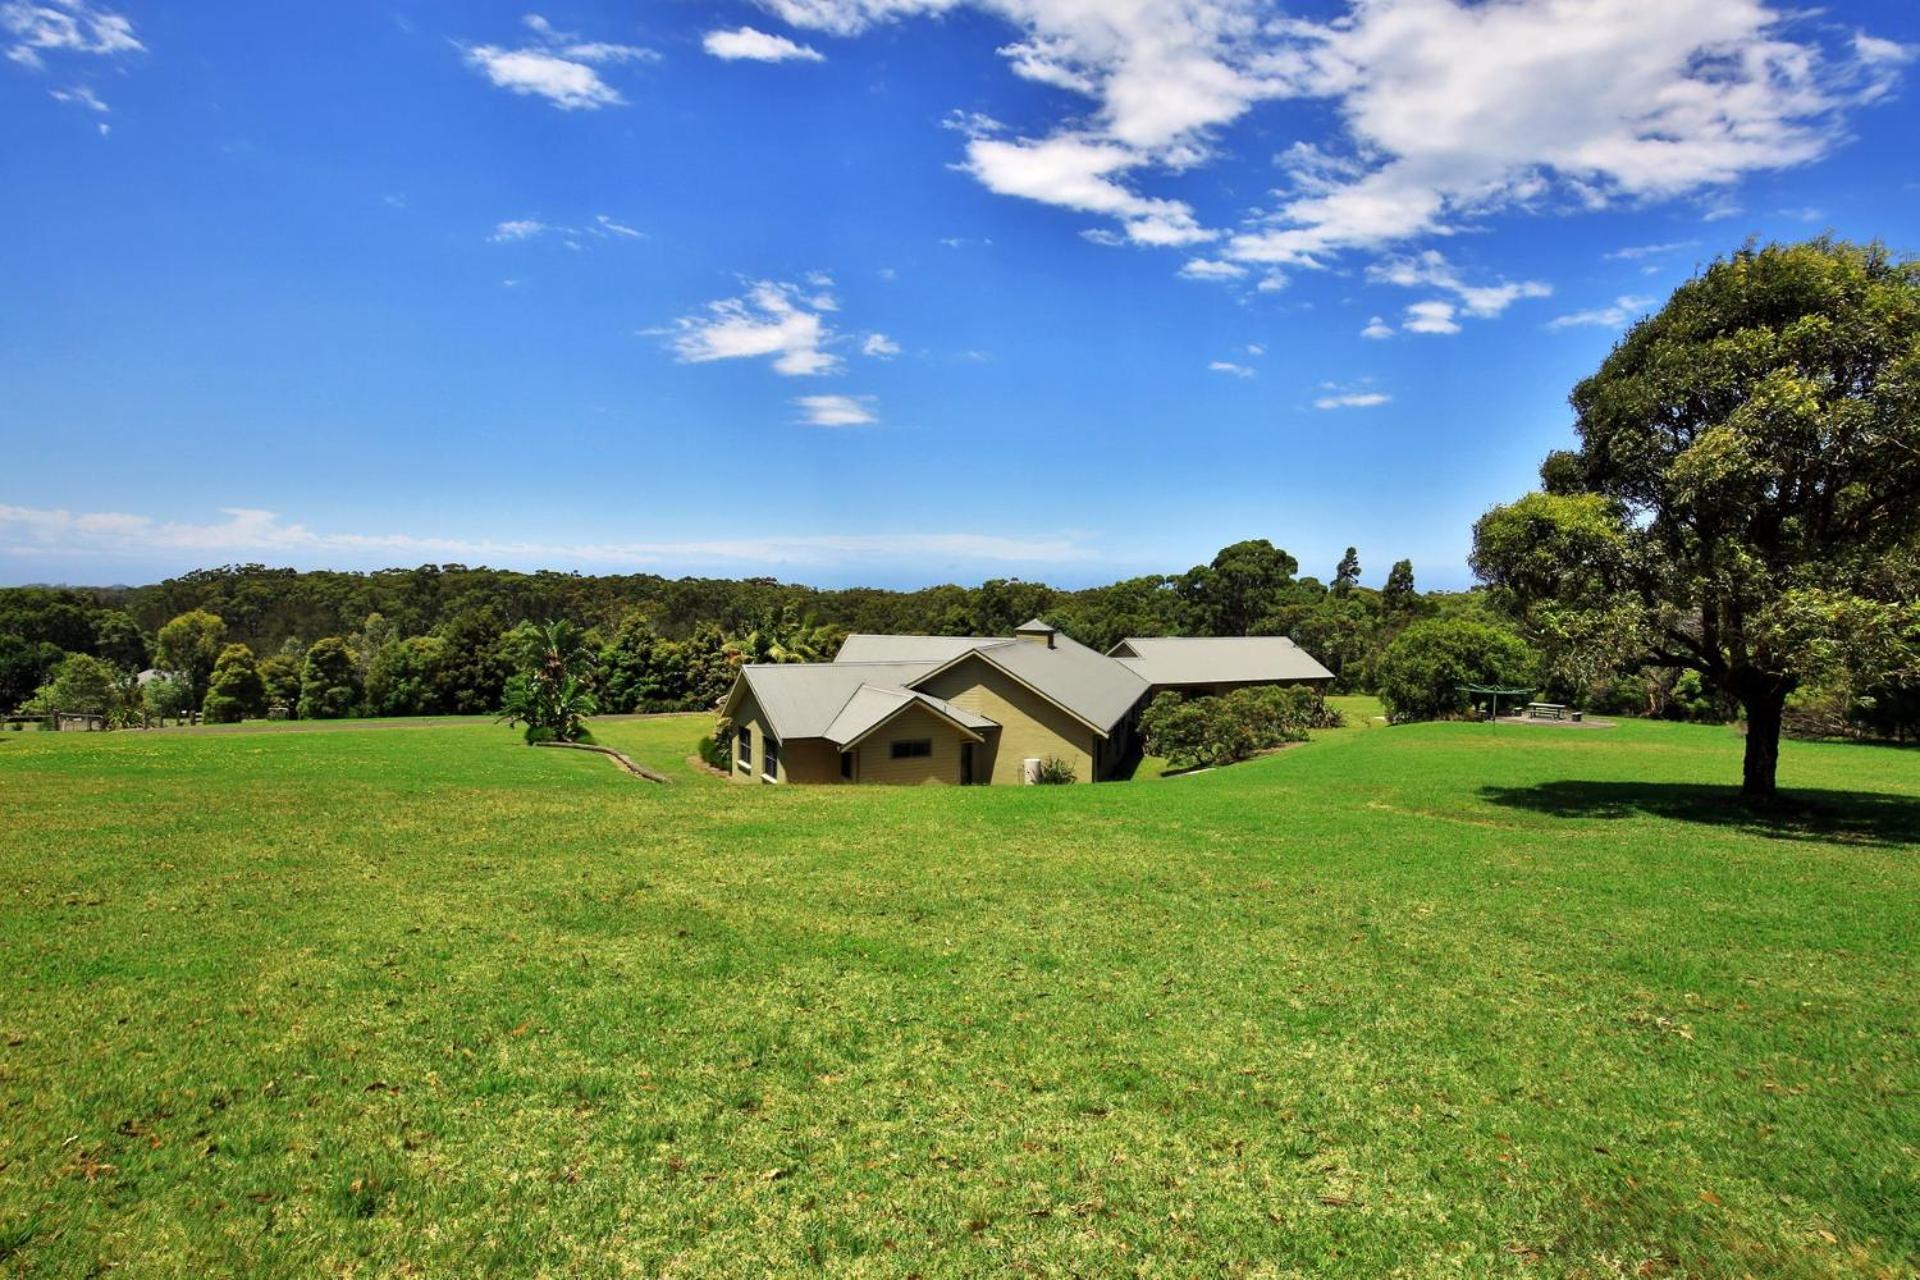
[743, 752]
[846, 765]
[770, 766]
[911, 748]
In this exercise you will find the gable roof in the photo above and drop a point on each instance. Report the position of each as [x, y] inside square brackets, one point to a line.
[862, 647]
[872, 706]
[1091, 687]
[801, 699]
[1176, 660]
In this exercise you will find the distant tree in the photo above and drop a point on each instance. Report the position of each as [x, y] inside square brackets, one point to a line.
[476, 671]
[551, 691]
[119, 641]
[1346, 573]
[1398, 594]
[188, 646]
[367, 644]
[81, 683]
[280, 674]
[24, 666]
[409, 678]
[329, 681]
[1421, 673]
[1243, 584]
[235, 690]
[1749, 458]
[167, 696]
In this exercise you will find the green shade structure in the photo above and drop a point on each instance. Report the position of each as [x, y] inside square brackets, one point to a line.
[1495, 692]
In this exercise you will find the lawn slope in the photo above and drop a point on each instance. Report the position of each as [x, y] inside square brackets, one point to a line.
[1428, 1000]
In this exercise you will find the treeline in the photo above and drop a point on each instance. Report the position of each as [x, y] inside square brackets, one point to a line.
[248, 640]
[445, 638]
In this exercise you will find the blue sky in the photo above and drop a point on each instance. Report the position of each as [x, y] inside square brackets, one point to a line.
[885, 291]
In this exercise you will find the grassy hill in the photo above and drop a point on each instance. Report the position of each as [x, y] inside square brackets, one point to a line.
[1434, 1000]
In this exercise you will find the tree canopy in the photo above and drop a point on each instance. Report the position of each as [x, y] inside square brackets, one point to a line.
[1745, 497]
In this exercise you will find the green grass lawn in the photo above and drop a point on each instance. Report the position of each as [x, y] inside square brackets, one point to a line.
[1449, 1000]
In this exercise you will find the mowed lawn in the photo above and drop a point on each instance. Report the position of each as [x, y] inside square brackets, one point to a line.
[1448, 1000]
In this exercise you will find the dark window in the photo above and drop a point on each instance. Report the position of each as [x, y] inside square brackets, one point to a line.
[770, 769]
[846, 765]
[743, 754]
[912, 748]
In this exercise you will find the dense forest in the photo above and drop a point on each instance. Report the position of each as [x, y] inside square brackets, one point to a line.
[249, 640]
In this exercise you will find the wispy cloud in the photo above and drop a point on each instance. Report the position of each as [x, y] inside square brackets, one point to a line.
[558, 66]
[1352, 400]
[1634, 252]
[837, 411]
[516, 230]
[753, 45]
[1211, 269]
[879, 346]
[1618, 314]
[1377, 328]
[64, 27]
[1431, 269]
[773, 318]
[1228, 366]
[244, 531]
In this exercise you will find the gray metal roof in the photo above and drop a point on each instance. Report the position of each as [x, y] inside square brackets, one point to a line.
[1178, 660]
[801, 699]
[1034, 624]
[873, 705]
[1089, 684]
[862, 647]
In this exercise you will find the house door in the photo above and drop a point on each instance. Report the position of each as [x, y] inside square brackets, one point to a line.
[966, 764]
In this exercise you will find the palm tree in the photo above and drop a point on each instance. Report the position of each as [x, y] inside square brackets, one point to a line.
[551, 693]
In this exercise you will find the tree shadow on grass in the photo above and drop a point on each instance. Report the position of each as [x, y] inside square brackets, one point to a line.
[1844, 817]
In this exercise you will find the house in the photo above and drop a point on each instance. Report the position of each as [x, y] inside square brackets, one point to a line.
[973, 710]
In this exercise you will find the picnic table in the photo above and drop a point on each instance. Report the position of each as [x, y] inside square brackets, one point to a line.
[1546, 711]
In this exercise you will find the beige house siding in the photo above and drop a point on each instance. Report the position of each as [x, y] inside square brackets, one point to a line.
[748, 716]
[876, 762]
[813, 760]
[1030, 726]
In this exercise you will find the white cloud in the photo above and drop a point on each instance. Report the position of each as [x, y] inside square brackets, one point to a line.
[837, 411]
[1255, 349]
[758, 46]
[1078, 171]
[1634, 252]
[1271, 282]
[1431, 268]
[516, 229]
[1450, 110]
[248, 532]
[603, 223]
[1377, 328]
[64, 26]
[602, 227]
[1340, 399]
[772, 319]
[1609, 317]
[559, 67]
[1228, 366]
[1211, 269]
[879, 346]
[79, 96]
[1430, 317]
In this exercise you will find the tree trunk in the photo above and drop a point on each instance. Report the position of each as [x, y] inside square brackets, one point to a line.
[1764, 707]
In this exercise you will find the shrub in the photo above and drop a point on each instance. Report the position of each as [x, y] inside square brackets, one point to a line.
[1194, 732]
[717, 749]
[1422, 671]
[1054, 772]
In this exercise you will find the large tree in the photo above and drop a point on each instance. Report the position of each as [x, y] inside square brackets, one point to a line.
[1749, 464]
[188, 647]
